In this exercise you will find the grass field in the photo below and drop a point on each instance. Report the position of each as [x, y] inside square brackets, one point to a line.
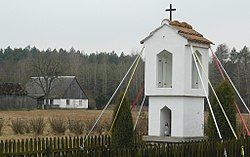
[84, 115]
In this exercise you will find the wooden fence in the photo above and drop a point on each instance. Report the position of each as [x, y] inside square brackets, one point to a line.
[17, 102]
[99, 146]
[41, 145]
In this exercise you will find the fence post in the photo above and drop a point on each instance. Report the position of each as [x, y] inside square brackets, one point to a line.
[48, 152]
[1, 148]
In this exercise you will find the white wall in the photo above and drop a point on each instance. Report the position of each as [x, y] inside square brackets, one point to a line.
[155, 106]
[187, 116]
[167, 39]
[164, 39]
[188, 71]
[193, 122]
[73, 103]
[186, 104]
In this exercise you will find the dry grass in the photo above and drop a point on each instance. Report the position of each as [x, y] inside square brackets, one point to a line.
[58, 125]
[86, 116]
[1, 125]
[37, 125]
[19, 126]
[76, 126]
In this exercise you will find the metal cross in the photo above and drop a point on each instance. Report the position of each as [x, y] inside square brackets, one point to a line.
[170, 10]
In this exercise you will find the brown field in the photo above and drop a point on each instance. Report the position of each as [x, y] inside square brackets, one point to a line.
[84, 115]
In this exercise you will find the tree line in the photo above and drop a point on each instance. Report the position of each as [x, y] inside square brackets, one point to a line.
[100, 73]
[237, 65]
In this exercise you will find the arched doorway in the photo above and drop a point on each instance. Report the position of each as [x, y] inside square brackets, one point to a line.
[165, 119]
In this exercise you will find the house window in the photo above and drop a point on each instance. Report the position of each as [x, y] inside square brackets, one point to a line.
[40, 101]
[196, 82]
[80, 102]
[51, 101]
[67, 102]
[164, 69]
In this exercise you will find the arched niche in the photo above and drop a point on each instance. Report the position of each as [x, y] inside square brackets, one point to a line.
[164, 69]
[165, 121]
[196, 82]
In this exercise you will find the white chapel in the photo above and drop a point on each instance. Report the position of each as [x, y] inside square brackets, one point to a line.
[172, 84]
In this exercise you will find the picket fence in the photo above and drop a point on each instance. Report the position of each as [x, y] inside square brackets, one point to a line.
[43, 145]
[99, 146]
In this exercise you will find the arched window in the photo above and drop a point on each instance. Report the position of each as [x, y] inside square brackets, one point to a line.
[164, 69]
[196, 82]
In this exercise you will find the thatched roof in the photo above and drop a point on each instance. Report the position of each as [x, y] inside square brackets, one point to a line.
[12, 89]
[59, 86]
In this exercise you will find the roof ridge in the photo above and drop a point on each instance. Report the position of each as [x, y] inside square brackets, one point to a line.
[184, 29]
[57, 76]
[180, 24]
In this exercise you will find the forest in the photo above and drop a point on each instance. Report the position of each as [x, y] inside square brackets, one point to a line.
[99, 73]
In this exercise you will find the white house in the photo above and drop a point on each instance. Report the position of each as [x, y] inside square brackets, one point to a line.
[66, 92]
[172, 83]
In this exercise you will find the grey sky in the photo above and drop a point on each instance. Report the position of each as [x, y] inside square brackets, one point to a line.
[106, 25]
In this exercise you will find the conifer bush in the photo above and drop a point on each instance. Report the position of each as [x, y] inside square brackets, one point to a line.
[122, 134]
[226, 96]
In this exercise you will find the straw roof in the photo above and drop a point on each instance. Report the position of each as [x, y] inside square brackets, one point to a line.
[59, 87]
[12, 89]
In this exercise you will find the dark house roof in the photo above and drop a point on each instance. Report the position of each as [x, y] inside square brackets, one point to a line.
[12, 89]
[62, 87]
[184, 29]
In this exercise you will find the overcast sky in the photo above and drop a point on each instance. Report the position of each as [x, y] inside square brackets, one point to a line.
[106, 25]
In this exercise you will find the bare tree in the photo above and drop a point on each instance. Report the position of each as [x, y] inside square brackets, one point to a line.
[46, 66]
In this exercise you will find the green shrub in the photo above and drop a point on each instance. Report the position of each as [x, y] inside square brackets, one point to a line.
[227, 98]
[122, 134]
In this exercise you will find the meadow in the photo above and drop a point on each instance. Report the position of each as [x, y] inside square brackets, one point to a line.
[83, 120]
[84, 117]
